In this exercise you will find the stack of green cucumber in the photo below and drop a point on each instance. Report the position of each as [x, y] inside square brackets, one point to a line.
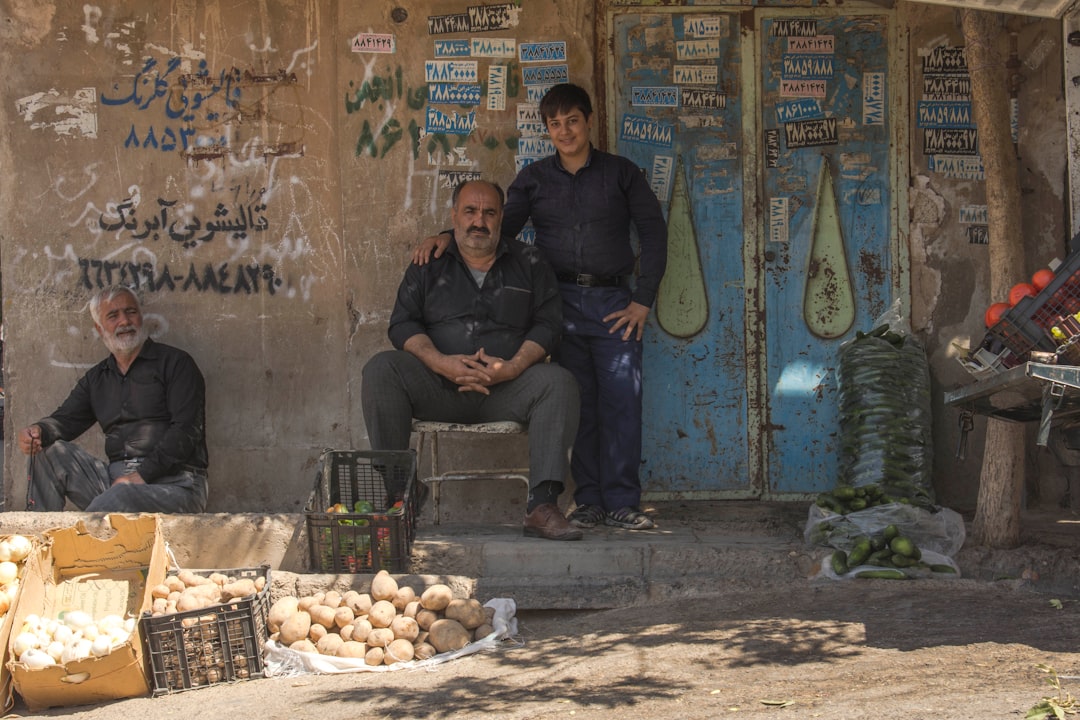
[846, 499]
[885, 421]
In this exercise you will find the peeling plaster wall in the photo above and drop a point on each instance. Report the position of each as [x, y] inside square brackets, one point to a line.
[260, 171]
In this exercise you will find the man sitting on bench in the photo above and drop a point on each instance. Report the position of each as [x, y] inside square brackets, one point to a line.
[472, 329]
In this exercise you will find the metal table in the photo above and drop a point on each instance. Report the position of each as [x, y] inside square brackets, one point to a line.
[1028, 392]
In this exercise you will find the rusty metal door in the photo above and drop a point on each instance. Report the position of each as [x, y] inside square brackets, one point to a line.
[678, 112]
[764, 134]
[828, 191]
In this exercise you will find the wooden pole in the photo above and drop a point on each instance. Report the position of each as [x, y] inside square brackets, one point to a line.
[997, 512]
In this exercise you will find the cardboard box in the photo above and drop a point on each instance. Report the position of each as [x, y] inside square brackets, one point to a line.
[78, 571]
[7, 699]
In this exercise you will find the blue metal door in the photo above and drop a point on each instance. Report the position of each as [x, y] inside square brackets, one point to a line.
[678, 111]
[828, 192]
[765, 136]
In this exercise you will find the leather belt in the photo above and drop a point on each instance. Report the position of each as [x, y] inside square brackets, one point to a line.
[586, 280]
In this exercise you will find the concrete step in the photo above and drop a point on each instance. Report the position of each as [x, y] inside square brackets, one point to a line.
[696, 548]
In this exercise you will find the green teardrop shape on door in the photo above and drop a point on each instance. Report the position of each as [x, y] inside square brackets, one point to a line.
[829, 299]
[681, 305]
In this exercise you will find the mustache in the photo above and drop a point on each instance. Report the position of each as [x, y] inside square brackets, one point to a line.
[480, 230]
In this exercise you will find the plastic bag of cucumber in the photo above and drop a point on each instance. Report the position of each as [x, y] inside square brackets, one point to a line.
[892, 539]
[881, 520]
[885, 419]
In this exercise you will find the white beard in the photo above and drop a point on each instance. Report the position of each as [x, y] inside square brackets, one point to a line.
[126, 342]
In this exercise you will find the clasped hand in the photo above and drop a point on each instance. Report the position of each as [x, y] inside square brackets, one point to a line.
[478, 372]
[130, 479]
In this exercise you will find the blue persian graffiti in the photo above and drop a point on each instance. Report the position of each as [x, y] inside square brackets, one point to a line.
[186, 101]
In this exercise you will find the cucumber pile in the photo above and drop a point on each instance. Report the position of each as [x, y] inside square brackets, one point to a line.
[889, 552]
[885, 420]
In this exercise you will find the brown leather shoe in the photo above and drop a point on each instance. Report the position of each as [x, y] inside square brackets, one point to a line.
[545, 521]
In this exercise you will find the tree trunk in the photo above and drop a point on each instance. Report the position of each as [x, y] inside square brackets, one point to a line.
[997, 513]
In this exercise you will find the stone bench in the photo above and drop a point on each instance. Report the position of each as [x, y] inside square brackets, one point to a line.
[428, 437]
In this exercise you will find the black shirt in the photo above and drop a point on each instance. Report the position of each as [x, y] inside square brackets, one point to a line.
[155, 412]
[519, 301]
[583, 220]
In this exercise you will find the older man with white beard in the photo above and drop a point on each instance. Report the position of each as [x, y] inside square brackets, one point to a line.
[149, 399]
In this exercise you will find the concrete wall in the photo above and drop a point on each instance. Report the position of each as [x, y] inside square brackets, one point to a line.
[264, 115]
[120, 169]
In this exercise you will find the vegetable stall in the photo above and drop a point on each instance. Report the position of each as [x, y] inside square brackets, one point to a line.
[1027, 367]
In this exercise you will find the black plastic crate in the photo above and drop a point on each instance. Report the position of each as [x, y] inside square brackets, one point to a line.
[363, 510]
[220, 643]
[1026, 325]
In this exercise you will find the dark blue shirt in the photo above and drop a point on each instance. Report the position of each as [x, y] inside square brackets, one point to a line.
[518, 301]
[155, 412]
[583, 221]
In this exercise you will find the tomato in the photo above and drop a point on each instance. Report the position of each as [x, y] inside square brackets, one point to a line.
[994, 313]
[1042, 278]
[1020, 291]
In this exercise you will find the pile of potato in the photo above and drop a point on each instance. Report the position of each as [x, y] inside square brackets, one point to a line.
[205, 641]
[388, 625]
[187, 590]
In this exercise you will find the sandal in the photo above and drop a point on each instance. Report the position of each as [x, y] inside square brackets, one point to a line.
[630, 518]
[586, 516]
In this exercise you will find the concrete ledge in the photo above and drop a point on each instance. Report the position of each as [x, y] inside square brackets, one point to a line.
[209, 540]
[694, 551]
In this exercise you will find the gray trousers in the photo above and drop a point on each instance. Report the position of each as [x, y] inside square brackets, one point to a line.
[397, 387]
[64, 471]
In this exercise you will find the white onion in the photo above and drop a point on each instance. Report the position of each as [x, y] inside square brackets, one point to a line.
[101, 647]
[109, 622]
[71, 652]
[5, 550]
[36, 659]
[77, 619]
[55, 650]
[9, 571]
[24, 641]
[63, 634]
[19, 547]
[90, 632]
[119, 636]
[68, 655]
[129, 625]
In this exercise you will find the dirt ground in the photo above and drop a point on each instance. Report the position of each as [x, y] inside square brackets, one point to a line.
[911, 650]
